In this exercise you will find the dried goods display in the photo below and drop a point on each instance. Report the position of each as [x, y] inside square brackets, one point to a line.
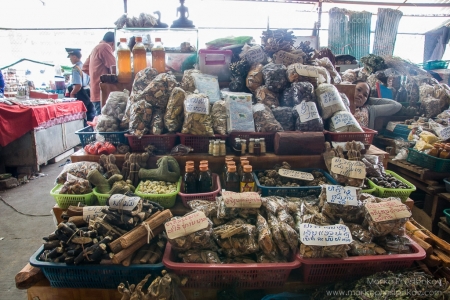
[108, 163]
[239, 109]
[239, 71]
[255, 77]
[430, 107]
[307, 117]
[395, 244]
[219, 117]
[107, 124]
[388, 181]
[338, 251]
[116, 104]
[140, 118]
[276, 40]
[188, 82]
[348, 213]
[264, 119]
[275, 77]
[288, 97]
[382, 227]
[360, 233]
[267, 97]
[344, 121]
[197, 119]
[157, 122]
[200, 257]
[157, 93]
[173, 118]
[78, 169]
[329, 100]
[157, 187]
[285, 116]
[373, 63]
[76, 186]
[272, 178]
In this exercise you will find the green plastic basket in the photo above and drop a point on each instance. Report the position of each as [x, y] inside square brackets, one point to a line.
[403, 194]
[101, 198]
[166, 200]
[66, 200]
[370, 191]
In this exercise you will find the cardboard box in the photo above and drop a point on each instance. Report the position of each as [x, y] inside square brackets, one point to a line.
[57, 211]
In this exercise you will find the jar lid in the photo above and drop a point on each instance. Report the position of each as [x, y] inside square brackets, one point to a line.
[216, 143]
[204, 162]
[243, 141]
[241, 158]
[257, 140]
[232, 168]
[247, 169]
[231, 163]
[189, 169]
[222, 142]
[245, 162]
[211, 141]
[189, 162]
[228, 158]
[203, 168]
[252, 140]
[261, 139]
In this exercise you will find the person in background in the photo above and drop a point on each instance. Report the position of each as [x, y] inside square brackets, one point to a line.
[99, 63]
[2, 83]
[369, 108]
[80, 82]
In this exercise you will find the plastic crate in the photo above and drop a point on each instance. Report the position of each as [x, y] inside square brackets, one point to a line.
[400, 131]
[215, 276]
[447, 215]
[163, 142]
[199, 143]
[403, 194]
[435, 64]
[447, 185]
[365, 137]
[324, 270]
[301, 191]
[66, 200]
[87, 136]
[96, 276]
[101, 198]
[166, 200]
[435, 164]
[269, 138]
[202, 196]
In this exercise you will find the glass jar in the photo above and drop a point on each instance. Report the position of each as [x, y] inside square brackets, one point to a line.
[247, 183]
[237, 147]
[223, 148]
[262, 142]
[243, 146]
[216, 149]
[251, 145]
[257, 148]
[211, 147]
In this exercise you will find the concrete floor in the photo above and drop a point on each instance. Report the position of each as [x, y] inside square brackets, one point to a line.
[22, 235]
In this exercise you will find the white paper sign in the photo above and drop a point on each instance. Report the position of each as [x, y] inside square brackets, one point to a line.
[307, 111]
[307, 71]
[241, 200]
[445, 133]
[341, 195]
[296, 174]
[389, 210]
[186, 225]
[123, 202]
[314, 235]
[352, 169]
[341, 120]
[329, 99]
[195, 104]
[92, 212]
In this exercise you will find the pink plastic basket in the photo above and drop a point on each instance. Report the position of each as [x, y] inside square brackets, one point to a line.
[268, 138]
[163, 142]
[199, 143]
[320, 270]
[214, 276]
[366, 137]
[202, 196]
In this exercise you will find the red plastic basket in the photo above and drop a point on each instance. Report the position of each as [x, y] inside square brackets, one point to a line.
[268, 138]
[163, 142]
[249, 276]
[202, 196]
[320, 270]
[199, 143]
[366, 137]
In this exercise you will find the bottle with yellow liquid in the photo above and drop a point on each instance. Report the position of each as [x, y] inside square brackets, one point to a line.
[159, 56]
[123, 62]
[139, 56]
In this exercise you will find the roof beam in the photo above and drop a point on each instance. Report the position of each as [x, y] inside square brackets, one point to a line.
[353, 2]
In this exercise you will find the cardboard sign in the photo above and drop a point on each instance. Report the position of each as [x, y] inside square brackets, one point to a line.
[195, 104]
[307, 71]
[296, 174]
[445, 133]
[341, 195]
[92, 212]
[341, 120]
[314, 235]
[352, 169]
[255, 55]
[122, 202]
[307, 111]
[389, 210]
[241, 200]
[330, 98]
[186, 225]
[286, 58]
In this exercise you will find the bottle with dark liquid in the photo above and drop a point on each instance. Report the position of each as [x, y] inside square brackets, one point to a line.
[190, 181]
[232, 180]
[237, 147]
[204, 180]
[247, 183]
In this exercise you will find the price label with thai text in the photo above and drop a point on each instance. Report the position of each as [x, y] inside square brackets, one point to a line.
[92, 212]
[315, 235]
[306, 71]
[341, 195]
[343, 119]
[352, 169]
[330, 98]
[255, 55]
[196, 104]
[307, 111]
[242, 200]
[122, 202]
[445, 133]
[296, 174]
[186, 225]
[286, 58]
[389, 210]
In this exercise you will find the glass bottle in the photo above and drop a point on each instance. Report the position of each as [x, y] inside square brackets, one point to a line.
[237, 147]
[247, 183]
[206, 163]
[159, 56]
[123, 62]
[204, 180]
[216, 149]
[436, 150]
[262, 142]
[257, 148]
[243, 146]
[251, 145]
[211, 147]
[139, 56]
[190, 163]
[223, 148]
[242, 165]
[232, 181]
[445, 153]
[227, 160]
[190, 181]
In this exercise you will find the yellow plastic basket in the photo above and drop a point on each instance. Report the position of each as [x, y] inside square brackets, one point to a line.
[66, 200]
[101, 198]
[166, 200]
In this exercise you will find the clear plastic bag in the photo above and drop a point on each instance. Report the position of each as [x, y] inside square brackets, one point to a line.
[285, 116]
[157, 93]
[303, 91]
[264, 119]
[116, 104]
[188, 81]
[275, 77]
[78, 169]
[208, 85]
[307, 117]
[107, 124]
[265, 96]
[326, 63]
[200, 239]
[140, 118]
[430, 107]
[255, 77]
[76, 186]
[173, 118]
[329, 100]
[344, 121]
[157, 123]
[219, 117]
[197, 119]
[239, 109]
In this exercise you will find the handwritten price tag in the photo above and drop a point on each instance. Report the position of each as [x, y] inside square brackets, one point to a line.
[196, 104]
[296, 174]
[241, 200]
[92, 212]
[314, 235]
[307, 71]
[286, 58]
[123, 202]
[255, 55]
[186, 225]
[343, 119]
[342, 195]
[352, 169]
[307, 111]
[386, 211]
[445, 133]
[329, 99]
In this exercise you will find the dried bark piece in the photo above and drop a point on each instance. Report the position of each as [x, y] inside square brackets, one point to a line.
[173, 119]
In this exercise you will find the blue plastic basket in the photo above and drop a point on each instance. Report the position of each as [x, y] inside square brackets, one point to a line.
[87, 136]
[61, 275]
[301, 191]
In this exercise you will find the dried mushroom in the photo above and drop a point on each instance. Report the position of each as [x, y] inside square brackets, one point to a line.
[173, 118]
[264, 119]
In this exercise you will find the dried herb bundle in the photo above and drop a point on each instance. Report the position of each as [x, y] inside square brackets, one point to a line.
[276, 40]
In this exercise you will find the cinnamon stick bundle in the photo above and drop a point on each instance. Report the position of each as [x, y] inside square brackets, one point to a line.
[434, 239]
[427, 247]
[442, 256]
[417, 232]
